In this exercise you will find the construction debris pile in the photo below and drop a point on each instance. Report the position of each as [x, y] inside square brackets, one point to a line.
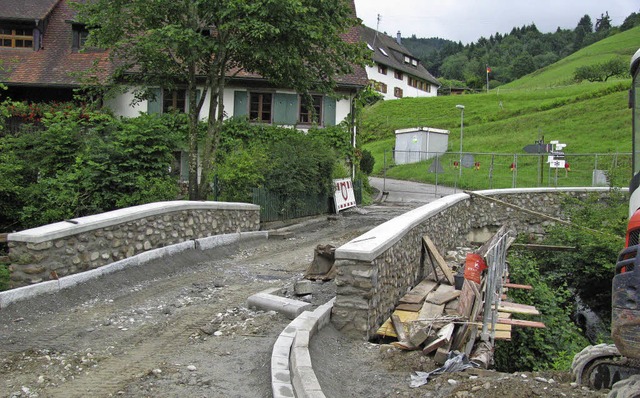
[464, 312]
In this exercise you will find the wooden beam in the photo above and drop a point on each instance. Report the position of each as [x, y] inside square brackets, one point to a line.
[543, 247]
[521, 323]
[444, 267]
[516, 308]
[387, 327]
[516, 286]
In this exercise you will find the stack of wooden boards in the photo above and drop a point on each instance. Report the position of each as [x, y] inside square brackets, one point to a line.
[436, 318]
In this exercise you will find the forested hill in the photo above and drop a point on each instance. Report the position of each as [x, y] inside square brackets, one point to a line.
[512, 55]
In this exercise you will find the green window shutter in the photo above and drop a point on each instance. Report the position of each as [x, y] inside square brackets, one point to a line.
[285, 109]
[329, 112]
[240, 106]
[154, 105]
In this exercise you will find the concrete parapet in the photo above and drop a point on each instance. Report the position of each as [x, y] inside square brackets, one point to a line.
[265, 300]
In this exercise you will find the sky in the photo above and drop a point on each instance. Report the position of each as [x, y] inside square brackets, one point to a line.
[468, 20]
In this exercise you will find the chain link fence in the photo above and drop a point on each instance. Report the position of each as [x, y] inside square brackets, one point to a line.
[499, 170]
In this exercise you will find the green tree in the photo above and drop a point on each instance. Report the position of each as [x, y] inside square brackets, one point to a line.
[603, 23]
[293, 43]
[631, 21]
[603, 71]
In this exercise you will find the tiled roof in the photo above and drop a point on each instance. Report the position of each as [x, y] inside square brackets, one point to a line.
[26, 9]
[395, 54]
[55, 63]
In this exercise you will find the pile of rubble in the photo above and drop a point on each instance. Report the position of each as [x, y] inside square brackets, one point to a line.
[465, 312]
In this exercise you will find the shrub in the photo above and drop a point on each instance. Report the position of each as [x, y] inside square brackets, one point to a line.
[367, 162]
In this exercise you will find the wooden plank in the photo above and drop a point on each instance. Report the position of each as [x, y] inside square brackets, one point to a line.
[442, 353]
[516, 286]
[430, 311]
[411, 299]
[409, 307]
[522, 323]
[499, 326]
[502, 335]
[516, 308]
[443, 336]
[3, 238]
[387, 327]
[544, 247]
[444, 267]
[398, 326]
[466, 299]
[443, 295]
[424, 287]
[504, 315]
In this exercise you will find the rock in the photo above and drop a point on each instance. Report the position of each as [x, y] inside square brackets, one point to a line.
[452, 382]
[208, 329]
[217, 333]
[157, 372]
[191, 368]
[541, 379]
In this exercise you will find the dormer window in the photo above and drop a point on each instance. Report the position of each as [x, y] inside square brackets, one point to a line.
[16, 37]
[80, 35]
[369, 47]
[383, 52]
[407, 59]
[414, 62]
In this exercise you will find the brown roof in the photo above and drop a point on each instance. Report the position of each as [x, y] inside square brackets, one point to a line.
[55, 63]
[26, 9]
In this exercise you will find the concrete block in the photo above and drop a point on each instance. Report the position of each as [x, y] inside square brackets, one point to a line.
[300, 358]
[26, 292]
[269, 302]
[304, 381]
[282, 390]
[279, 363]
[306, 322]
[282, 347]
[301, 339]
[281, 376]
[303, 287]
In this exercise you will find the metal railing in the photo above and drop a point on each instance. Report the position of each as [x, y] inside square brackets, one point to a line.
[499, 170]
[274, 207]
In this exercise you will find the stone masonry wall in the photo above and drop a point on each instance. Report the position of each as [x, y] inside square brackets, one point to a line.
[378, 268]
[60, 251]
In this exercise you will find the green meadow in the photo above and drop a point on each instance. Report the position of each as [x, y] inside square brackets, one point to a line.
[593, 119]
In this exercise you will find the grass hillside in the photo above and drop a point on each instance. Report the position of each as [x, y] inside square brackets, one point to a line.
[588, 117]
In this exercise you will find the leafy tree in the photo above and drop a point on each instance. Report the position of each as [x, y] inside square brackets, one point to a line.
[603, 71]
[603, 23]
[630, 22]
[297, 44]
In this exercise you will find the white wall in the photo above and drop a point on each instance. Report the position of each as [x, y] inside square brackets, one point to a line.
[391, 82]
[121, 105]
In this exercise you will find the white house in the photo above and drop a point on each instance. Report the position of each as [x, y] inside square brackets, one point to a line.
[396, 73]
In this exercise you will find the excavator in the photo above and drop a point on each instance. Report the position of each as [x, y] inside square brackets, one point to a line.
[617, 366]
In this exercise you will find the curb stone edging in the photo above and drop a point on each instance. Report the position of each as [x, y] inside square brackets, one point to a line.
[292, 372]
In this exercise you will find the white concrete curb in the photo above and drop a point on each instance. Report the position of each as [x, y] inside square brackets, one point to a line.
[50, 287]
[292, 372]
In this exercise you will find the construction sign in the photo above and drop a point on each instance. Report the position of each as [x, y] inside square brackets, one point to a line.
[344, 197]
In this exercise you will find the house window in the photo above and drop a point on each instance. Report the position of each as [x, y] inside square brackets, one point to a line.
[398, 75]
[407, 59]
[260, 107]
[382, 69]
[397, 92]
[80, 34]
[310, 112]
[16, 37]
[414, 62]
[174, 100]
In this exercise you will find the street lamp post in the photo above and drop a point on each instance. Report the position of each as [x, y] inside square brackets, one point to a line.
[461, 107]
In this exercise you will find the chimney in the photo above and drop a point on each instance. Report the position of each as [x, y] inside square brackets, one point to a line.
[399, 38]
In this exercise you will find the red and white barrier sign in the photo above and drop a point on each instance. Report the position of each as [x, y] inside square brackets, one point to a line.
[344, 196]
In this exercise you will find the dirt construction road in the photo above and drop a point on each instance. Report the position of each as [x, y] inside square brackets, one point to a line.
[179, 327]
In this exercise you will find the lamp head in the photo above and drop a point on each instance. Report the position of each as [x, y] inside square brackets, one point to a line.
[461, 107]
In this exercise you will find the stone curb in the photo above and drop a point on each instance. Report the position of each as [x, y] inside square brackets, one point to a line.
[53, 286]
[292, 372]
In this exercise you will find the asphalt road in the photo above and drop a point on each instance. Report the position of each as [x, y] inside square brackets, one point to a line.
[399, 191]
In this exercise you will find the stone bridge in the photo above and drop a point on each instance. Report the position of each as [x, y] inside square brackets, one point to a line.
[376, 269]
[89, 243]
